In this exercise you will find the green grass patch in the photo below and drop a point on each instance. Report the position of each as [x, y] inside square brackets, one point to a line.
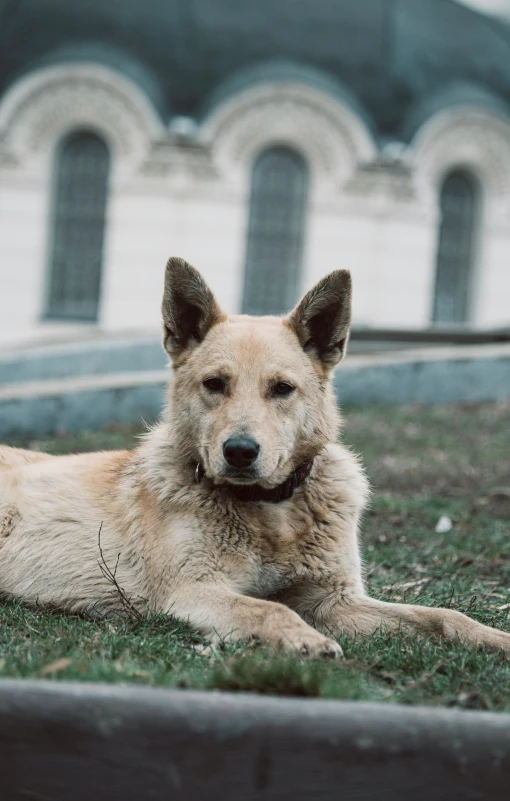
[424, 463]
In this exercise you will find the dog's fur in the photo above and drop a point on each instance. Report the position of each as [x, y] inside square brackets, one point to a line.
[283, 573]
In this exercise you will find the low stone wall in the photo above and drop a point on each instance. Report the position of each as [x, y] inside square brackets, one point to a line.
[457, 374]
[88, 357]
[37, 409]
[454, 374]
[82, 742]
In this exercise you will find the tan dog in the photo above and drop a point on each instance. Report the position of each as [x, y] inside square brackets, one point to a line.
[239, 512]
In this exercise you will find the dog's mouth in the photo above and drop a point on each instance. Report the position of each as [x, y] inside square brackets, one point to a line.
[234, 476]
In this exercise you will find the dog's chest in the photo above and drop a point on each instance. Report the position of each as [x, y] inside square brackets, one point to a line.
[263, 577]
[277, 553]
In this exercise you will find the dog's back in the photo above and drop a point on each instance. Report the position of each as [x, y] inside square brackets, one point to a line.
[11, 458]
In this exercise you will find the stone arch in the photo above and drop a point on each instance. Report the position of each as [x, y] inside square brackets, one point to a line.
[475, 140]
[45, 105]
[474, 137]
[330, 135]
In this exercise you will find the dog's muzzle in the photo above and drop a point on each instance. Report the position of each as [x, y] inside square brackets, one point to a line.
[253, 492]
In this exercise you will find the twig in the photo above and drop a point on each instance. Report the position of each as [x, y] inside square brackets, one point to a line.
[111, 576]
[409, 585]
[471, 602]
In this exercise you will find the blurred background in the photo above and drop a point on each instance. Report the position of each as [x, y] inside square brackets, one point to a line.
[267, 143]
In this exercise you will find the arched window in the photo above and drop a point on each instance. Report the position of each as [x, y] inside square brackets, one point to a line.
[460, 208]
[275, 232]
[79, 206]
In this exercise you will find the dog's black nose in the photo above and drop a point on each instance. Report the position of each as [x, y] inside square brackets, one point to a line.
[240, 451]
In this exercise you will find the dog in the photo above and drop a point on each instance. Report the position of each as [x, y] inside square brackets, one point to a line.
[238, 513]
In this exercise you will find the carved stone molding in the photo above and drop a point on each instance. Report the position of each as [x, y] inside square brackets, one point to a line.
[44, 105]
[330, 135]
[469, 137]
[382, 181]
[174, 156]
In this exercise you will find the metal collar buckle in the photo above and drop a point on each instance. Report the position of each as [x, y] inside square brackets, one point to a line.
[199, 473]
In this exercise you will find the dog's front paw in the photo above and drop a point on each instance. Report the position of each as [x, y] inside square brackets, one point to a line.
[311, 645]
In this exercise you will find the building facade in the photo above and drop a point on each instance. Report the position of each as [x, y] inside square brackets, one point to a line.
[372, 135]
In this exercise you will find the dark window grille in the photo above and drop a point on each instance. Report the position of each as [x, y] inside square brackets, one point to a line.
[276, 231]
[455, 253]
[79, 207]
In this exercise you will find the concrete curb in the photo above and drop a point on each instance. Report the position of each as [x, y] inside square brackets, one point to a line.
[37, 409]
[69, 741]
[453, 374]
[88, 357]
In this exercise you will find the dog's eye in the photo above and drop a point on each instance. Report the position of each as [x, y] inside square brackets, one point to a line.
[283, 388]
[214, 384]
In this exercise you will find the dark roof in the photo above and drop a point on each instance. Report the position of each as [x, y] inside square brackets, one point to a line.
[391, 57]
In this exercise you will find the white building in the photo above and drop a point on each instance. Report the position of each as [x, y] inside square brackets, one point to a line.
[500, 8]
[265, 143]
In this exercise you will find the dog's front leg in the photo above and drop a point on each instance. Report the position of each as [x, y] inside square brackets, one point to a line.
[340, 611]
[219, 613]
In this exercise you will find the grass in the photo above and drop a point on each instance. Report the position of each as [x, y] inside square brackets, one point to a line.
[424, 463]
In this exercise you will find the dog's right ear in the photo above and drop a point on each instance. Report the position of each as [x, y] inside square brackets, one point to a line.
[189, 308]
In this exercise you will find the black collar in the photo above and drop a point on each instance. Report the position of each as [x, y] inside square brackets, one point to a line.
[252, 492]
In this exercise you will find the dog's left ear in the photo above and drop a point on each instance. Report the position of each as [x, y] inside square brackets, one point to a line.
[322, 318]
[189, 308]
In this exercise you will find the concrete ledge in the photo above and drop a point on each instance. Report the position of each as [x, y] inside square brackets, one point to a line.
[465, 374]
[36, 409]
[452, 374]
[87, 357]
[83, 742]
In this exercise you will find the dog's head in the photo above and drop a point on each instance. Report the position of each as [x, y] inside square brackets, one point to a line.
[251, 397]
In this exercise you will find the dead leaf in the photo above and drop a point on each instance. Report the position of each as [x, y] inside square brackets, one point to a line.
[408, 585]
[464, 561]
[203, 650]
[443, 525]
[391, 676]
[55, 667]
[471, 700]
[500, 493]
